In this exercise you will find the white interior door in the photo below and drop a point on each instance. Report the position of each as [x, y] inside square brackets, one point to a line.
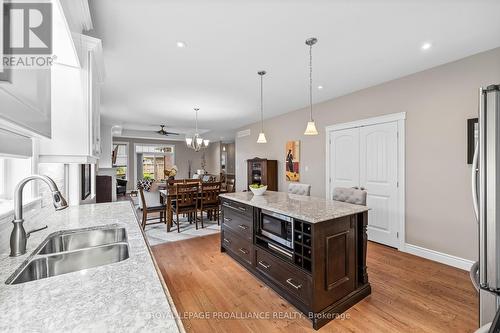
[344, 155]
[378, 147]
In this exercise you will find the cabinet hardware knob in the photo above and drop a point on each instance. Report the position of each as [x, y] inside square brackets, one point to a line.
[296, 286]
[242, 250]
[244, 227]
[264, 264]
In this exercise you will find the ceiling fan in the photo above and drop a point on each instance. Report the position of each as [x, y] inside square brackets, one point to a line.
[163, 132]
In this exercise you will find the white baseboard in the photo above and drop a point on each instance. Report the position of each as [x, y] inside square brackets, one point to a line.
[440, 257]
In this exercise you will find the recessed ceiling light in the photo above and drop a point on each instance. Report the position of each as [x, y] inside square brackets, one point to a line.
[180, 44]
[320, 87]
[426, 46]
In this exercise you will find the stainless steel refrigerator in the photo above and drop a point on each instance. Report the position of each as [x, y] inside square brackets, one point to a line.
[486, 199]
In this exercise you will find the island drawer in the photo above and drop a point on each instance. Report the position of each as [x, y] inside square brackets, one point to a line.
[241, 225]
[292, 279]
[238, 246]
[242, 209]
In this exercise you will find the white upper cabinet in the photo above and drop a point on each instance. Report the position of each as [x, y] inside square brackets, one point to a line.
[25, 93]
[75, 107]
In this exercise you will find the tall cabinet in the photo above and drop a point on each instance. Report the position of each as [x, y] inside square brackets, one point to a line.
[263, 171]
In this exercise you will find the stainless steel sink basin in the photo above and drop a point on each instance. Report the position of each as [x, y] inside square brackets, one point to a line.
[83, 239]
[71, 251]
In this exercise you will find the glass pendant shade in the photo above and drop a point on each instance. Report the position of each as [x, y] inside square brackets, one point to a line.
[189, 141]
[262, 138]
[199, 141]
[206, 142]
[311, 128]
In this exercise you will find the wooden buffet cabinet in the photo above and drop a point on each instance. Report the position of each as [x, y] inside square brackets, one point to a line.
[263, 171]
[325, 272]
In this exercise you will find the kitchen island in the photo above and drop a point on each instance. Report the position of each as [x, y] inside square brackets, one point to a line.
[126, 296]
[311, 251]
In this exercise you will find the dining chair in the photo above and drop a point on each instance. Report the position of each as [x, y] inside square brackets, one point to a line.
[150, 203]
[186, 202]
[230, 185]
[209, 200]
[300, 189]
[350, 195]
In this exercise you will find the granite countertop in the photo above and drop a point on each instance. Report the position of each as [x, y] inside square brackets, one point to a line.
[308, 209]
[127, 296]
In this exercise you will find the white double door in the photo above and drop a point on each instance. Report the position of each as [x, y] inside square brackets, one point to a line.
[367, 157]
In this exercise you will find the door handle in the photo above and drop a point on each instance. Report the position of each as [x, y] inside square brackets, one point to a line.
[264, 264]
[242, 250]
[475, 170]
[296, 286]
[227, 241]
[227, 219]
[244, 227]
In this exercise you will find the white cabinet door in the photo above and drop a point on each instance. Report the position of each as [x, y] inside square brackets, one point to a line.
[344, 163]
[379, 176]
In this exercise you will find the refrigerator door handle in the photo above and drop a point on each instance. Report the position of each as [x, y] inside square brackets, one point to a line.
[474, 275]
[483, 280]
[475, 171]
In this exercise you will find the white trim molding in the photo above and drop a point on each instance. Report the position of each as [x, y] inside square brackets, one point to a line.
[368, 121]
[440, 257]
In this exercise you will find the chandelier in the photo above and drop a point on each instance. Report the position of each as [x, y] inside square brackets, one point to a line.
[196, 142]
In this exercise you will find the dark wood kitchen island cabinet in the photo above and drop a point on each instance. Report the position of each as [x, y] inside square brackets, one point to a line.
[310, 250]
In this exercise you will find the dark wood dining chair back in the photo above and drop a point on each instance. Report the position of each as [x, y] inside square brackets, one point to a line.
[151, 206]
[186, 201]
[210, 193]
[209, 201]
[186, 195]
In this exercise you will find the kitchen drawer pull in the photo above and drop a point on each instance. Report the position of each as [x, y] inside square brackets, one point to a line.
[264, 264]
[242, 250]
[296, 286]
[227, 241]
[242, 226]
[242, 209]
[227, 219]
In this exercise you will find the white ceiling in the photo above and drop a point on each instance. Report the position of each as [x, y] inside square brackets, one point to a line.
[361, 43]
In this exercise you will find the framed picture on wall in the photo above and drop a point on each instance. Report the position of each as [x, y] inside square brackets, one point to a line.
[86, 180]
[472, 137]
[292, 161]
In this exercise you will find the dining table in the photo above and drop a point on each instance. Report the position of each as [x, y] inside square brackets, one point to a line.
[167, 196]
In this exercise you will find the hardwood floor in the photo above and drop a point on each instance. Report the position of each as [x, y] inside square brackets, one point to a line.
[409, 294]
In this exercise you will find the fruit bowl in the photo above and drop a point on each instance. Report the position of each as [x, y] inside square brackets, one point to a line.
[258, 190]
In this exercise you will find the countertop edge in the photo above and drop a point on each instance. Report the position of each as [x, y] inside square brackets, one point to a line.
[170, 300]
[228, 196]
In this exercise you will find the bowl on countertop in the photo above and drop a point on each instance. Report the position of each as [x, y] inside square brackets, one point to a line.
[258, 191]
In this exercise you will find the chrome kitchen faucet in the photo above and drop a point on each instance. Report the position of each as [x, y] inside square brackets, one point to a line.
[18, 237]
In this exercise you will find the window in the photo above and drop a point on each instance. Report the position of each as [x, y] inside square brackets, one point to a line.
[153, 160]
[120, 160]
[12, 171]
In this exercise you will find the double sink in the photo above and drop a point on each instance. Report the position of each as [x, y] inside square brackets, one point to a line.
[73, 250]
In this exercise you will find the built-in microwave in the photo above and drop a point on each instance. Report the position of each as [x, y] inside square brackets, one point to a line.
[276, 227]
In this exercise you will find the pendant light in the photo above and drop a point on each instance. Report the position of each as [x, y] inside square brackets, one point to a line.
[311, 126]
[262, 136]
[196, 142]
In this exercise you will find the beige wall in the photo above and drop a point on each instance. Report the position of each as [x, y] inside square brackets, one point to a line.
[437, 103]
[212, 155]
